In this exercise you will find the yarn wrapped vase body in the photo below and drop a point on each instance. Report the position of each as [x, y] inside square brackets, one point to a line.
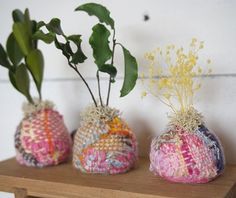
[42, 139]
[187, 154]
[104, 143]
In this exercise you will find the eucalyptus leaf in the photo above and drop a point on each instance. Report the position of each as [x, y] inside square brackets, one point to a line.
[22, 37]
[35, 64]
[100, 44]
[47, 38]
[18, 16]
[101, 12]
[131, 73]
[13, 50]
[22, 81]
[55, 26]
[3, 58]
[78, 56]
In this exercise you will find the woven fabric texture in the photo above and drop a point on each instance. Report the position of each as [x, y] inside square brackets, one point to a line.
[182, 156]
[42, 139]
[104, 143]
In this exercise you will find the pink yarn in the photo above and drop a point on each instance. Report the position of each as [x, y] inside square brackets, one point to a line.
[42, 139]
[98, 162]
[187, 157]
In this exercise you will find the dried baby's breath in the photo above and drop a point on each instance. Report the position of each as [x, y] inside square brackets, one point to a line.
[172, 74]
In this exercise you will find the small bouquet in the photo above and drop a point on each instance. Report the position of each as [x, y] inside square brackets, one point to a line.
[103, 143]
[41, 139]
[187, 152]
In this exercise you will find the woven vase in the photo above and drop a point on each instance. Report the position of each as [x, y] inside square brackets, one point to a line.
[104, 143]
[42, 139]
[187, 156]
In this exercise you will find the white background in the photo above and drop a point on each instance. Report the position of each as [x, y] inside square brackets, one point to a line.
[212, 21]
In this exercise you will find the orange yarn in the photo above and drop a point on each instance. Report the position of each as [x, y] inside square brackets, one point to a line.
[116, 127]
[104, 143]
[119, 132]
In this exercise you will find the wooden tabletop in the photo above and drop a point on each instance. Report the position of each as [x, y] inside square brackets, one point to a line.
[64, 181]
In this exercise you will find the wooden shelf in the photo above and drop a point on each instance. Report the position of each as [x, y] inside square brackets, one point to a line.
[64, 181]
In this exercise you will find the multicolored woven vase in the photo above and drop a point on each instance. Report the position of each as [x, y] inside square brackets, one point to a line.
[104, 143]
[42, 139]
[187, 152]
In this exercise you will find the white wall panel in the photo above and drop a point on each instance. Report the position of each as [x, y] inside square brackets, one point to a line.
[170, 22]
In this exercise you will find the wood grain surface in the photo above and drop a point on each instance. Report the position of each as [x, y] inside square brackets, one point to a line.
[63, 181]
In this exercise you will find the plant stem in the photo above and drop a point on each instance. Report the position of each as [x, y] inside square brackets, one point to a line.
[30, 99]
[99, 88]
[108, 92]
[80, 75]
[40, 96]
[112, 61]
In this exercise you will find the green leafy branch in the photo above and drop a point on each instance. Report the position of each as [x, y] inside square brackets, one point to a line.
[73, 58]
[21, 55]
[102, 53]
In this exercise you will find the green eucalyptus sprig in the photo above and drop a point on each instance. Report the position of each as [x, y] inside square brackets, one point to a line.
[102, 52]
[22, 56]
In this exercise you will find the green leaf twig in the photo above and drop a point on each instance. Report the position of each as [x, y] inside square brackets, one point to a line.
[73, 58]
[78, 56]
[35, 64]
[21, 81]
[47, 38]
[13, 50]
[94, 9]
[100, 44]
[22, 56]
[55, 26]
[18, 16]
[131, 72]
[3, 58]
[22, 37]
[109, 69]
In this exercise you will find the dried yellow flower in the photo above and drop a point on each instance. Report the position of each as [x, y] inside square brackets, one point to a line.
[175, 74]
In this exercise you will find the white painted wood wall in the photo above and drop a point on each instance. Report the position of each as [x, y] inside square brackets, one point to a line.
[170, 22]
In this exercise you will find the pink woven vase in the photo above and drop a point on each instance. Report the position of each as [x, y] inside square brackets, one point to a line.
[104, 143]
[187, 157]
[42, 139]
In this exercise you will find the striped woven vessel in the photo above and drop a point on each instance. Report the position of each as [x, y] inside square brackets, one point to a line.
[42, 139]
[179, 155]
[104, 143]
